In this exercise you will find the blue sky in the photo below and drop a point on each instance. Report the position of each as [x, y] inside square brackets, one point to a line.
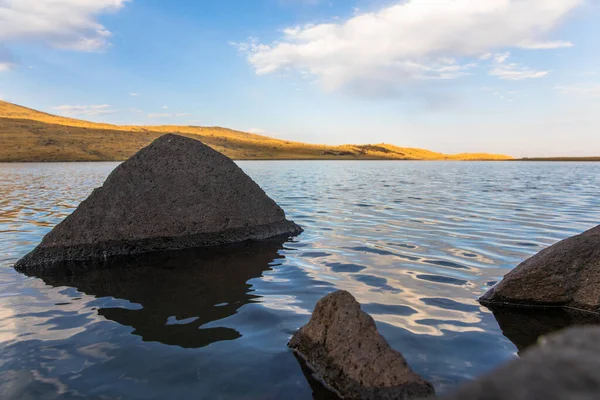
[520, 77]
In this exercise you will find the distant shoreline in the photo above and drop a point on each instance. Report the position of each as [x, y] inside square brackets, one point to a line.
[560, 159]
[541, 159]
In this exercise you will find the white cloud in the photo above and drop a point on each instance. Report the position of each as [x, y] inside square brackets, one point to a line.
[373, 53]
[513, 71]
[559, 44]
[165, 107]
[583, 90]
[502, 57]
[134, 94]
[516, 72]
[62, 24]
[168, 115]
[6, 66]
[88, 110]
[66, 24]
[257, 131]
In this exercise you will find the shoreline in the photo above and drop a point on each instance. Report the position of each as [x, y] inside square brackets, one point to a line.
[557, 159]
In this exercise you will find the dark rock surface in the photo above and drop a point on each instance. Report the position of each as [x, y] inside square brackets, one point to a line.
[342, 345]
[174, 194]
[176, 293]
[564, 366]
[566, 274]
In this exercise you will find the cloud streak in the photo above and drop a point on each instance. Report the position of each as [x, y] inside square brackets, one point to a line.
[373, 53]
[6, 66]
[168, 115]
[513, 71]
[85, 110]
[582, 90]
[559, 44]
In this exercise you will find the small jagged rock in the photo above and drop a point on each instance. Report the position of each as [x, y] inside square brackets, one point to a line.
[342, 345]
[565, 365]
[176, 193]
[566, 274]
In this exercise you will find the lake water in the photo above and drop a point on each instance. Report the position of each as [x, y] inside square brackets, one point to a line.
[416, 243]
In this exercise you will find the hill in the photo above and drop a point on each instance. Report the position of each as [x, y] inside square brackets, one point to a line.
[30, 135]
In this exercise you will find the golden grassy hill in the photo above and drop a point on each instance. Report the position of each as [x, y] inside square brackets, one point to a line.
[30, 135]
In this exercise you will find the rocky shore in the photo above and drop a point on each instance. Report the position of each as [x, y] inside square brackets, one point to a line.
[555, 290]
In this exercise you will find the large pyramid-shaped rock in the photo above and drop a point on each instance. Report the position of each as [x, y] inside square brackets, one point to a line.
[176, 193]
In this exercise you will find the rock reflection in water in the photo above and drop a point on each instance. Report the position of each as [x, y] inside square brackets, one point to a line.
[178, 292]
[523, 326]
[320, 390]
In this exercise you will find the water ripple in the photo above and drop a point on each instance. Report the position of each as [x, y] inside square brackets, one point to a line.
[415, 242]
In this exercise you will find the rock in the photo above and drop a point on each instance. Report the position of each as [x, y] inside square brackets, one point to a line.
[564, 365]
[342, 345]
[174, 194]
[565, 275]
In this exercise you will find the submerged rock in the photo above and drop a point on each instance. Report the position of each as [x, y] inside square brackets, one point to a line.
[566, 274]
[565, 365]
[342, 345]
[524, 325]
[176, 193]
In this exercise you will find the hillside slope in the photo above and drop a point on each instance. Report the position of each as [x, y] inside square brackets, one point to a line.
[30, 135]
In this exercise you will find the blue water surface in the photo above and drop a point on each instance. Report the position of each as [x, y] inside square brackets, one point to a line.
[415, 242]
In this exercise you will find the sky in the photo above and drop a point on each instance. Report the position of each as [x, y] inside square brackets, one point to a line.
[518, 77]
